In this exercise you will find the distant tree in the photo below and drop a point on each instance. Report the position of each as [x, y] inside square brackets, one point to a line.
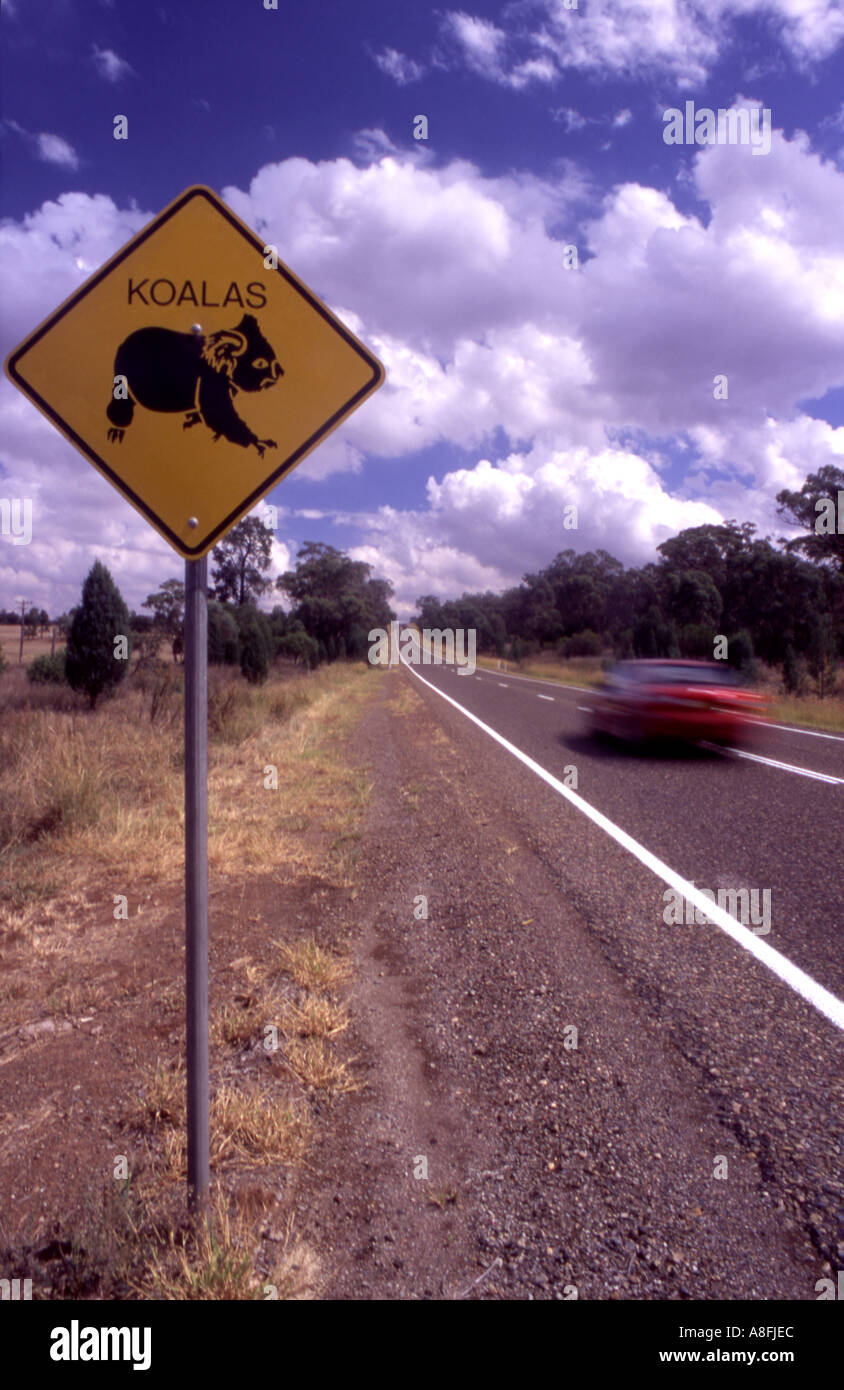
[696, 641]
[299, 647]
[257, 643]
[101, 617]
[821, 654]
[147, 644]
[740, 654]
[241, 560]
[800, 508]
[168, 606]
[254, 654]
[709, 548]
[585, 643]
[335, 599]
[693, 598]
[623, 648]
[653, 636]
[429, 612]
[223, 638]
[793, 672]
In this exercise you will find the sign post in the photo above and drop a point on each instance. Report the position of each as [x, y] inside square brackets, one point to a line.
[196, 875]
[179, 416]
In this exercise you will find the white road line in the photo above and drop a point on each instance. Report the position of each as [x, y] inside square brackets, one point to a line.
[783, 767]
[503, 684]
[584, 709]
[558, 685]
[546, 697]
[787, 728]
[819, 997]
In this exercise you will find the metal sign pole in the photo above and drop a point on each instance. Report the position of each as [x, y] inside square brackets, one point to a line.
[196, 874]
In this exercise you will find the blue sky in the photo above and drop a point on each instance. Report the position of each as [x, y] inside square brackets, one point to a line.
[515, 386]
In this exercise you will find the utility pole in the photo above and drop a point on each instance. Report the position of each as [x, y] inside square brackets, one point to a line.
[20, 653]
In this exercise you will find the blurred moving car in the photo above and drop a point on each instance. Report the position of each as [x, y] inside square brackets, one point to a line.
[685, 700]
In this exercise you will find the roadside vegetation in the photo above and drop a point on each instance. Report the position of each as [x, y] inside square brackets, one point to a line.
[97, 797]
[92, 812]
[773, 608]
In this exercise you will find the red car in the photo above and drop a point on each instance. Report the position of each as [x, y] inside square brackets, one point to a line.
[686, 700]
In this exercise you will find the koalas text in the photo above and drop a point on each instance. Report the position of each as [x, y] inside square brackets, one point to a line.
[162, 292]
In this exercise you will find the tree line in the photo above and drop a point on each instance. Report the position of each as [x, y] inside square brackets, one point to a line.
[333, 603]
[782, 602]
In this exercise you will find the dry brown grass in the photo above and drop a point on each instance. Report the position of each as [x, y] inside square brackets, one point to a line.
[315, 1017]
[217, 1261]
[311, 966]
[248, 1127]
[252, 1127]
[92, 803]
[316, 1066]
[80, 788]
[237, 1023]
[10, 640]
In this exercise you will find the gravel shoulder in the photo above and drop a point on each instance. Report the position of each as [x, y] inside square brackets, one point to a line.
[554, 1170]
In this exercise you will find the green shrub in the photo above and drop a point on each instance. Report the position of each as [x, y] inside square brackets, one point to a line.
[697, 641]
[794, 672]
[257, 645]
[585, 643]
[48, 670]
[299, 645]
[223, 639]
[101, 618]
[740, 649]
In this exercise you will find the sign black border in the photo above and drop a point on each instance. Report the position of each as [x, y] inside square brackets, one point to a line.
[203, 546]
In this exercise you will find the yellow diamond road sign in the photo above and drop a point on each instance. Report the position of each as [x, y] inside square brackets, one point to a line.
[190, 374]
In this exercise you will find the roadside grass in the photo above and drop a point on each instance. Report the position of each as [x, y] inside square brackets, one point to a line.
[10, 639]
[214, 1259]
[317, 1067]
[80, 788]
[127, 1246]
[577, 670]
[826, 714]
[97, 798]
[248, 1125]
[311, 966]
[239, 1023]
[316, 1017]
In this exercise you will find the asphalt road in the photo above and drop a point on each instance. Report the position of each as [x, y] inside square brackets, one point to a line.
[767, 1059]
[718, 821]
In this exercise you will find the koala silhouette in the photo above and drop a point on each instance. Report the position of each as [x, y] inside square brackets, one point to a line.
[199, 374]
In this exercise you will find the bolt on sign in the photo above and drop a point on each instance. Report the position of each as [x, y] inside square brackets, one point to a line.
[194, 370]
